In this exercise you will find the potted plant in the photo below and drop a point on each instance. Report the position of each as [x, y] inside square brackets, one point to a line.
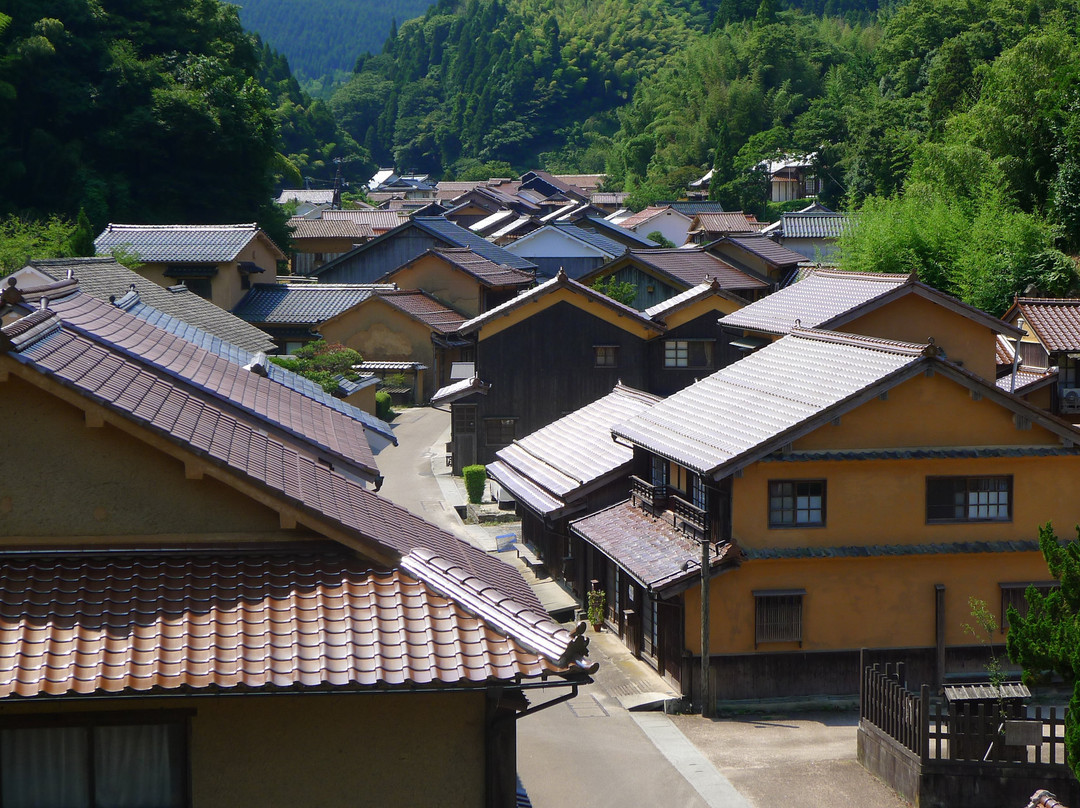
[597, 601]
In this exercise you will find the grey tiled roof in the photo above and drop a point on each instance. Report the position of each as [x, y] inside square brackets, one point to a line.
[301, 303]
[691, 266]
[176, 243]
[814, 225]
[617, 232]
[330, 228]
[315, 197]
[766, 249]
[461, 237]
[591, 237]
[734, 416]
[103, 278]
[691, 295]
[1027, 377]
[816, 300]
[572, 453]
[918, 454]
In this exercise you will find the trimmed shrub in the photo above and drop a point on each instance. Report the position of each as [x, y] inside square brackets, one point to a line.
[382, 405]
[475, 477]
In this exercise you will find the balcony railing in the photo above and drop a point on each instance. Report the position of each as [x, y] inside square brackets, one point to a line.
[689, 514]
[655, 497]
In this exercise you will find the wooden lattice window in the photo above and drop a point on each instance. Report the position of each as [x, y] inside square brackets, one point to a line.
[1012, 594]
[778, 615]
[796, 503]
[969, 499]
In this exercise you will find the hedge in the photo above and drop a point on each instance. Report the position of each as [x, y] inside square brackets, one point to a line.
[475, 477]
[382, 405]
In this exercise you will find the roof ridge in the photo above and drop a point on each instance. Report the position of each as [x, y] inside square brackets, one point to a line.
[874, 343]
[891, 277]
[27, 330]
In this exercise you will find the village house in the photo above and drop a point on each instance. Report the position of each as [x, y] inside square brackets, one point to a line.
[566, 247]
[411, 239]
[663, 219]
[757, 254]
[402, 325]
[216, 262]
[814, 232]
[306, 200]
[316, 241]
[204, 604]
[1048, 363]
[791, 177]
[773, 468]
[707, 226]
[659, 274]
[562, 345]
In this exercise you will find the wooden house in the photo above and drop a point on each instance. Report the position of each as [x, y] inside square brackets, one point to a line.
[707, 226]
[842, 493]
[565, 247]
[400, 325]
[409, 240]
[562, 345]
[204, 606]
[216, 262]
[890, 306]
[814, 232]
[757, 254]
[1048, 363]
[316, 241]
[662, 219]
[660, 274]
[461, 279]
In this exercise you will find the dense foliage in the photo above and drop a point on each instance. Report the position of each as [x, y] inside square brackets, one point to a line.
[325, 38]
[321, 361]
[1047, 640]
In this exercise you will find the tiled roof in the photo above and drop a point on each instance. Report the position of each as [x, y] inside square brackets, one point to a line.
[487, 272]
[694, 208]
[766, 249]
[608, 197]
[458, 390]
[730, 222]
[461, 237]
[1026, 377]
[1054, 321]
[81, 625]
[822, 296]
[1003, 351]
[692, 266]
[591, 237]
[643, 216]
[560, 281]
[300, 303]
[917, 454]
[584, 182]
[380, 221]
[181, 243]
[368, 366]
[132, 304]
[814, 225]
[233, 439]
[734, 416]
[571, 454]
[315, 197]
[1044, 799]
[690, 296]
[828, 298]
[489, 222]
[122, 334]
[617, 232]
[330, 228]
[423, 307]
[103, 278]
[648, 547]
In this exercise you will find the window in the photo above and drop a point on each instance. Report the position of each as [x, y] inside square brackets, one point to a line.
[95, 763]
[1012, 594]
[697, 491]
[199, 286]
[778, 615]
[499, 431]
[797, 503]
[969, 499]
[688, 353]
[606, 356]
[658, 467]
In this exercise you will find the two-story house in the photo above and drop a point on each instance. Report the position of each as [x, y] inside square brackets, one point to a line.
[1049, 353]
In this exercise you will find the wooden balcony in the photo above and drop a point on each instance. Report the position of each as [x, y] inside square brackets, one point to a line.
[653, 497]
[689, 515]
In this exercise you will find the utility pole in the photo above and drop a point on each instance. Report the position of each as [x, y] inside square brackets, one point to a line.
[706, 697]
[335, 203]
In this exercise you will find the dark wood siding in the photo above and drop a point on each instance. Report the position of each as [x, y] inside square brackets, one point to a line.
[371, 263]
[547, 268]
[542, 369]
[665, 381]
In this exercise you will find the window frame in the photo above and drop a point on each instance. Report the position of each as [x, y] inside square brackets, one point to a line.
[775, 524]
[503, 422]
[609, 352]
[1013, 594]
[767, 628]
[672, 346]
[90, 721]
[968, 480]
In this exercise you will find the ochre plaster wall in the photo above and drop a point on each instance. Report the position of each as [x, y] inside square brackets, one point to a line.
[325, 750]
[435, 276]
[852, 603]
[915, 319]
[225, 290]
[102, 481]
[721, 305]
[381, 333]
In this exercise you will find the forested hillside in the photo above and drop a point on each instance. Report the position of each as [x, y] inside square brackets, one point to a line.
[324, 38]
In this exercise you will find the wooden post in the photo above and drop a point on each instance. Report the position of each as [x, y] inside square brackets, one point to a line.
[707, 706]
[939, 610]
[924, 723]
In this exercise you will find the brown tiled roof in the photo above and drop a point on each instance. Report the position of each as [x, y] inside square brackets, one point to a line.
[643, 216]
[487, 272]
[380, 221]
[81, 624]
[423, 307]
[1054, 321]
[648, 547]
[1044, 799]
[281, 407]
[692, 266]
[232, 439]
[766, 249]
[727, 222]
[1003, 351]
[330, 228]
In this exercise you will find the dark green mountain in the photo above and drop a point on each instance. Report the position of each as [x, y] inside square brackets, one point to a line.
[325, 37]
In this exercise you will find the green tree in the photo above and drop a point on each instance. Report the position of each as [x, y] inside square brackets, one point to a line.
[623, 292]
[321, 361]
[1047, 640]
[22, 239]
[659, 238]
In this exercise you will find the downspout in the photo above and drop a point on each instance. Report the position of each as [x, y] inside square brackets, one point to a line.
[1016, 362]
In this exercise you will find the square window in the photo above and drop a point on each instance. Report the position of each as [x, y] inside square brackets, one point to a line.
[1014, 594]
[606, 356]
[778, 615]
[969, 499]
[796, 503]
[688, 353]
[499, 432]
